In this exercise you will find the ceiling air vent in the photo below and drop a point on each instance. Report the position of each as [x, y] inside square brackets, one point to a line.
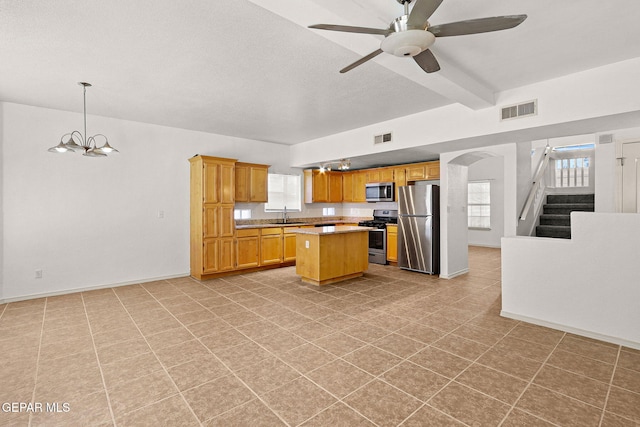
[381, 139]
[525, 109]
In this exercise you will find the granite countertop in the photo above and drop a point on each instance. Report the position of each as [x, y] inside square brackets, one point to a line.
[296, 222]
[331, 229]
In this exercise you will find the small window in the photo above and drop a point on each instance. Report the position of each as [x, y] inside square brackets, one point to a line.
[328, 211]
[479, 205]
[242, 214]
[285, 191]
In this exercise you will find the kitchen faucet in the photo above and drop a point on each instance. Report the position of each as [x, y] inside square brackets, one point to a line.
[284, 215]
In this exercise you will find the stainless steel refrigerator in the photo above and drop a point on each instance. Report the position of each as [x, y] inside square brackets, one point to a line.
[419, 228]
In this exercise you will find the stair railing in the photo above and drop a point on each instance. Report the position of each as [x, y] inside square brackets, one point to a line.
[537, 181]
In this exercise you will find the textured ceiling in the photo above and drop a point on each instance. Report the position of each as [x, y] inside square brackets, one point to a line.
[251, 69]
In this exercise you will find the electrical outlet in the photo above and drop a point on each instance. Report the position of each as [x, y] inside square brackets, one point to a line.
[38, 274]
[306, 244]
[161, 214]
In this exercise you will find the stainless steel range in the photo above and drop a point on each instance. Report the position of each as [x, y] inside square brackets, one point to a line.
[378, 236]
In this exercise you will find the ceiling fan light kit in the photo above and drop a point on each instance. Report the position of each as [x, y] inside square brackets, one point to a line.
[86, 144]
[411, 35]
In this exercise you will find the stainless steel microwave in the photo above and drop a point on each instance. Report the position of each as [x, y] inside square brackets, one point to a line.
[380, 192]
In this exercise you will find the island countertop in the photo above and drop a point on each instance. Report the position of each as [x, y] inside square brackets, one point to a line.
[330, 229]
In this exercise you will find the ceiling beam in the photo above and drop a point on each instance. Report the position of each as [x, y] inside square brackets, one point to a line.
[450, 82]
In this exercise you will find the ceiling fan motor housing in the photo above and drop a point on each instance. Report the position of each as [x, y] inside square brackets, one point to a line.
[408, 42]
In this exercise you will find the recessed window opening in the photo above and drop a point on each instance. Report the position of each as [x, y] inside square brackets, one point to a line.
[285, 191]
[479, 205]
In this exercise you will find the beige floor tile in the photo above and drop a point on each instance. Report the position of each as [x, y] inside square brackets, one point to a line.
[518, 418]
[135, 394]
[339, 377]
[196, 316]
[418, 382]
[624, 403]
[573, 385]
[469, 406]
[298, 401]
[373, 360]
[169, 338]
[558, 408]
[382, 403]
[172, 411]
[421, 333]
[627, 379]
[629, 359]
[131, 368]
[591, 349]
[428, 416]
[217, 397]
[114, 336]
[159, 325]
[581, 365]
[537, 334]
[613, 420]
[225, 339]
[197, 372]
[493, 383]
[253, 413]
[399, 345]
[242, 355]
[208, 327]
[339, 343]
[281, 341]
[478, 334]
[54, 350]
[181, 353]
[338, 415]
[267, 375]
[523, 348]
[312, 331]
[440, 362]
[307, 357]
[86, 410]
[122, 350]
[461, 347]
[510, 363]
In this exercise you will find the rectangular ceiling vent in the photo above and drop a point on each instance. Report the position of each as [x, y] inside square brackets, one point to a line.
[383, 138]
[529, 108]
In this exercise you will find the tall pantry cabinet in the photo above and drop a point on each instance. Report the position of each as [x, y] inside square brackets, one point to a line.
[212, 222]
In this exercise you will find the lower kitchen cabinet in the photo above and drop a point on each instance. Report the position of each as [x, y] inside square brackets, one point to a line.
[247, 248]
[226, 259]
[271, 246]
[392, 243]
[288, 245]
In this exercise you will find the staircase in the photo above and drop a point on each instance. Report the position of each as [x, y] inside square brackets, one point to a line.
[555, 220]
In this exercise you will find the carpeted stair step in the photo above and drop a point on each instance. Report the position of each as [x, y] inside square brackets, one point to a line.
[570, 198]
[547, 219]
[566, 208]
[556, 231]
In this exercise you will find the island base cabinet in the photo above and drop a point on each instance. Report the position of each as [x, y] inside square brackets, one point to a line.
[329, 258]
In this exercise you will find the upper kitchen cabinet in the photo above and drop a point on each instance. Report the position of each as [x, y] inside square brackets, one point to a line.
[353, 186]
[322, 186]
[251, 182]
[422, 171]
[380, 175]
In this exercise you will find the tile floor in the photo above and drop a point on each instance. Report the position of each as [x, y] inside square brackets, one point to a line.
[262, 349]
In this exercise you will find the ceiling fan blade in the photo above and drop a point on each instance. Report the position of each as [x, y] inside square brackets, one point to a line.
[361, 60]
[349, 29]
[475, 26]
[427, 61]
[421, 12]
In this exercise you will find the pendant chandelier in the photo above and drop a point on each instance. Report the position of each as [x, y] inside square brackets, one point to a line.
[77, 141]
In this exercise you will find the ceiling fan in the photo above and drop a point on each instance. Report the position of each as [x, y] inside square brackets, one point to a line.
[412, 35]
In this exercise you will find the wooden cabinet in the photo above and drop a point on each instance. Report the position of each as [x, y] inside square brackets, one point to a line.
[271, 246]
[247, 248]
[288, 245]
[423, 171]
[251, 182]
[399, 178]
[380, 175]
[359, 187]
[212, 226]
[392, 243]
[322, 186]
[347, 186]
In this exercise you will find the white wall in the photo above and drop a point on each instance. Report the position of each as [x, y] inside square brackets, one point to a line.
[586, 285]
[1, 203]
[94, 221]
[490, 169]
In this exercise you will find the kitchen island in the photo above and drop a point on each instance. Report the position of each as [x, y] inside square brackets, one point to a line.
[331, 254]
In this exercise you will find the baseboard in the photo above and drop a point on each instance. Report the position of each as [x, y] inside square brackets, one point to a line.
[572, 330]
[456, 274]
[89, 288]
[485, 246]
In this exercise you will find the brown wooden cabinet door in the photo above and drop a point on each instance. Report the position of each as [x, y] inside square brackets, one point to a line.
[227, 179]
[386, 175]
[347, 187]
[289, 247]
[211, 221]
[399, 178]
[373, 175]
[226, 255]
[247, 252]
[210, 256]
[392, 243]
[335, 187]
[415, 172]
[271, 249]
[210, 190]
[320, 187]
[433, 170]
[226, 222]
[242, 183]
[258, 184]
[359, 187]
